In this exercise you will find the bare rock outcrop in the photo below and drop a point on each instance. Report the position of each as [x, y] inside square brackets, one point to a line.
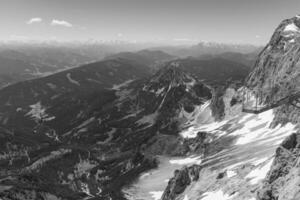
[182, 178]
[283, 179]
[276, 74]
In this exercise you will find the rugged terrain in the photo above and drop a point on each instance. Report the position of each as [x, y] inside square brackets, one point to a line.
[86, 132]
[254, 160]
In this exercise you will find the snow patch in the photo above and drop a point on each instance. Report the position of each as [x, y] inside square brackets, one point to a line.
[41, 161]
[190, 84]
[292, 41]
[83, 167]
[199, 119]
[187, 161]
[186, 197]
[144, 175]
[51, 85]
[119, 86]
[148, 119]
[230, 173]
[257, 128]
[72, 80]
[216, 195]
[190, 132]
[156, 195]
[85, 188]
[159, 91]
[86, 122]
[259, 161]
[259, 173]
[213, 127]
[38, 112]
[94, 81]
[110, 136]
[291, 27]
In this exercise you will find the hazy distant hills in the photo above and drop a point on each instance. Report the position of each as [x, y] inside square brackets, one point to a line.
[23, 61]
[69, 90]
[247, 59]
[209, 48]
[19, 65]
[19, 62]
[152, 58]
[213, 69]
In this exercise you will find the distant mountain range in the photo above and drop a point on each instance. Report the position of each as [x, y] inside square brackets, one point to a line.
[210, 48]
[20, 62]
[151, 58]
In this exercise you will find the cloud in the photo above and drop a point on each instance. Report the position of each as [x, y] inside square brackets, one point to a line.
[18, 37]
[34, 20]
[257, 36]
[183, 39]
[56, 22]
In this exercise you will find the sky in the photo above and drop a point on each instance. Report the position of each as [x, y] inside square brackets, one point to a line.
[160, 21]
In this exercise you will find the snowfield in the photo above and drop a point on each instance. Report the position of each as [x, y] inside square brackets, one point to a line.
[217, 195]
[245, 160]
[187, 161]
[150, 185]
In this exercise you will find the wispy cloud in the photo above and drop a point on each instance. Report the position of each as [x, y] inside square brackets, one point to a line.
[185, 40]
[34, 20]
[18, 37]
[56, 22]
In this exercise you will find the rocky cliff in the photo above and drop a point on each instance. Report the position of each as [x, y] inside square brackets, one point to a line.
[283, 179]
[276, 73]
[182, 178]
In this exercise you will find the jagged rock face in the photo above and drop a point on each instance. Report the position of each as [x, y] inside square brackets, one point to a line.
[182, 178]
[277, 70]
[283, 179]
[276, 74]
[169, 93]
